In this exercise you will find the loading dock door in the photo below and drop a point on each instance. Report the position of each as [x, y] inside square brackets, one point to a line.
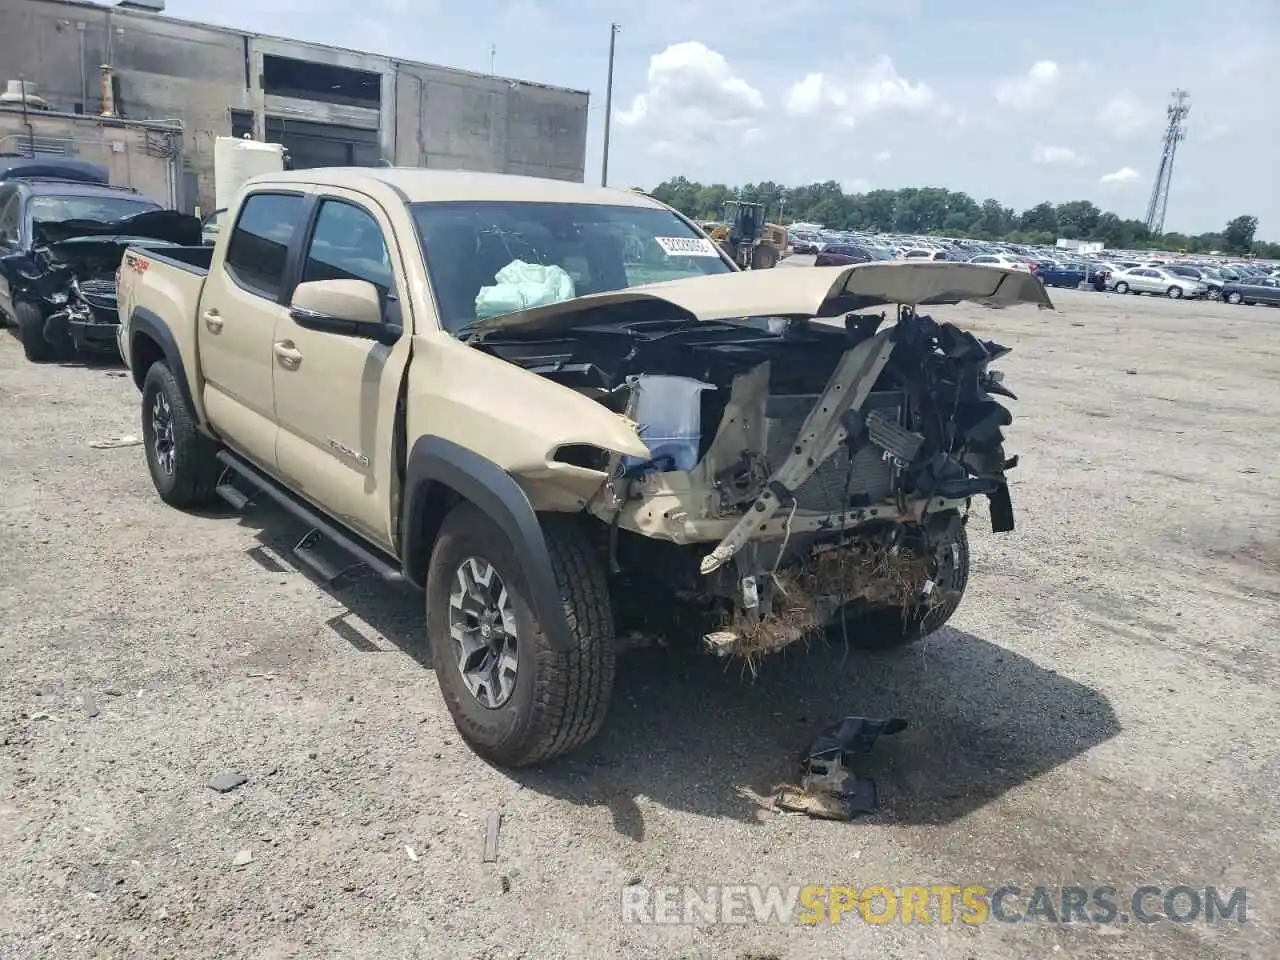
[324, 144]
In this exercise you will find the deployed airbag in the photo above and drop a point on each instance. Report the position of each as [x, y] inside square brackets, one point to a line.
[522, 286]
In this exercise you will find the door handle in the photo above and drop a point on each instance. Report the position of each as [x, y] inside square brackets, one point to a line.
[287, 355]
[213, 321]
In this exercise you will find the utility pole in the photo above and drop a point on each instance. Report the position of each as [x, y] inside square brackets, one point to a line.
[493, 53]
[608, 105]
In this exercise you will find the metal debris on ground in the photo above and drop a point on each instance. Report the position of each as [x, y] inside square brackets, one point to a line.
[829, 790]
[112, 443]
[492, 821]
[242, 858]
[412, 853]
[226, 782]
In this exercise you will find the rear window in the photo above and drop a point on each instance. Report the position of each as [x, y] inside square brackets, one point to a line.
[549, 252]
[259, 245]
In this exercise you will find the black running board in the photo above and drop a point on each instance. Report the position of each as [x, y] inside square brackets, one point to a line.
[350, 543]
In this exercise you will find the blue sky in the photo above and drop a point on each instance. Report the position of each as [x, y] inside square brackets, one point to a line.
[1022, 100]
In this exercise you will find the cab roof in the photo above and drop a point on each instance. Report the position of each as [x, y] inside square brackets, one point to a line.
[433, 186]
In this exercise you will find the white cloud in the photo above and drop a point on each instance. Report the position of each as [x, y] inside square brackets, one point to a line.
[1125, 116]
[856, 185]
[1031, 90]
[1119, 178]
[876, 89]
[1216, 132]
[1059, 156]
[693, 98]
[881, 156]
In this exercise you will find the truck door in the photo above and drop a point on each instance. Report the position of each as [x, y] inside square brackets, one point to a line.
[244, 298]
[336, 393]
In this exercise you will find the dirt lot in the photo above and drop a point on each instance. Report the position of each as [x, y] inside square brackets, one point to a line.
[1104, 710]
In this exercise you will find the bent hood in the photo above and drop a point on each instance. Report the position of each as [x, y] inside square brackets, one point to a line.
[169, 225]
[794, 292]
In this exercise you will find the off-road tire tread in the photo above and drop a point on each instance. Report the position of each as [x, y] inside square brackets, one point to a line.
[573, 688]
[196, 467]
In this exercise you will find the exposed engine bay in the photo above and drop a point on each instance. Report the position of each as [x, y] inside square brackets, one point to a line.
[71, 272]
[804, 473]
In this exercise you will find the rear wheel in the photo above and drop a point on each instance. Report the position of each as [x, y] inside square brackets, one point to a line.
[1122, 287]
[182, 460]
[1234, 297]
[1175, 293]
[515, 699]
[868, 627]
[31, 329]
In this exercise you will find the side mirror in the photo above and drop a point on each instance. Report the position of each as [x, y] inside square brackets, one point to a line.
[349, 308]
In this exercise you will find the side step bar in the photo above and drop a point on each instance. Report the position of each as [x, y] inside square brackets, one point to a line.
[349, 543]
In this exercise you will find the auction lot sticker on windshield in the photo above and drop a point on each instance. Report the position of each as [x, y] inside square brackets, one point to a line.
[687, 246]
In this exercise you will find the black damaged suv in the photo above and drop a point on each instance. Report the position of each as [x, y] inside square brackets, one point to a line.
[35, 193]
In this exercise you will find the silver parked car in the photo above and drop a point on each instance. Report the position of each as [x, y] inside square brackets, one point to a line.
[1156, 280]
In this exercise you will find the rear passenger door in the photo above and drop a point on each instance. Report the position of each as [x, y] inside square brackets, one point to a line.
[336, 397]
[244, 298]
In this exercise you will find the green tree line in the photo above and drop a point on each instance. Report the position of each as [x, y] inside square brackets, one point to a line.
[936, 210]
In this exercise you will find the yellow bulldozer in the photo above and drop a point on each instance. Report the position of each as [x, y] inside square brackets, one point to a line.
[750, 242]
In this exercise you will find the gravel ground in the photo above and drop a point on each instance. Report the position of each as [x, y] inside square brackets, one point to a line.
[1102, 710]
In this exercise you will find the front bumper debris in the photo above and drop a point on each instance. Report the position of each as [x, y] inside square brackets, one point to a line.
[829, 789]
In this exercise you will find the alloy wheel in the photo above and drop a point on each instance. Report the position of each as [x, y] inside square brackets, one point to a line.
[482, 624]
[162, 441]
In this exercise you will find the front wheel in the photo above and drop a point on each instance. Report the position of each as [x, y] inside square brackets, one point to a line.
[1175, 293]
[1234, 298]
[515, 699]
[1122, 287]
[31, 322]
[879, 627]
[182, 460]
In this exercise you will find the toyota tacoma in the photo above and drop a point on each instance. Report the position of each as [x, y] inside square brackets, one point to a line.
[567, 417]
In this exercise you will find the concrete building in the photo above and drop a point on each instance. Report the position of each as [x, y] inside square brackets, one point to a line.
[327, 105]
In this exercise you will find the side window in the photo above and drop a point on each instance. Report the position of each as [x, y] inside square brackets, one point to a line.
[347, 244]
[9, 217]
[259, 248]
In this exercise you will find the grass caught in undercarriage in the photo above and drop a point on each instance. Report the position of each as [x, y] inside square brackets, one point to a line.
[806, 596]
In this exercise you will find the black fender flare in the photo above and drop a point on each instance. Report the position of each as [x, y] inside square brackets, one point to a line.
[435, 460]
[143, 321]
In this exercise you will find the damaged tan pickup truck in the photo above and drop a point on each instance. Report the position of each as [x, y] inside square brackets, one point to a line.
[562, 412]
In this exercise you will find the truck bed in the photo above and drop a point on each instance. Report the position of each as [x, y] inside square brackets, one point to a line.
[190, 259]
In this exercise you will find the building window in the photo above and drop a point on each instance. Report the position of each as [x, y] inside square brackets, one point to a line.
[308, 80]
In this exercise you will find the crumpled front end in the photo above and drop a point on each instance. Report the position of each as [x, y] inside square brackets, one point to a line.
[798, 470]
[809, 498]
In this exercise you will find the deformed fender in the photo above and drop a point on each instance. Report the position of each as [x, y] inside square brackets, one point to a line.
[437, 460]
[144, 321]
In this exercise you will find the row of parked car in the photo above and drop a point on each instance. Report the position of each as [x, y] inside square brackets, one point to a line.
[1247, 283]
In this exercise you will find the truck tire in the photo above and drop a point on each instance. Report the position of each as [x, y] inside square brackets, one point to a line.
[884, 628]
[182, 460]
[515, 700]
[31, 329]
